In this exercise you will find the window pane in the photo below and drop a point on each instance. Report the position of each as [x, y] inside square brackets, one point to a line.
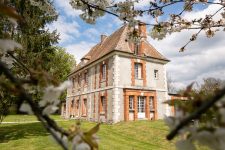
[151, 103]
[103, 103]
[104, 71]
[131, 102]
[138, 71]
[85, 107]
[156, 72]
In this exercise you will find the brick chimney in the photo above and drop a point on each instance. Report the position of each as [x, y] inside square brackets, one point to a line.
[142, 29]
[103, 37]
[143, 33]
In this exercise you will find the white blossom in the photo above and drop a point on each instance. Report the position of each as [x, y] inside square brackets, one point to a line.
[169, 121]
[185, 145]
[26, 108]
[79, 144]
[82, 146]
[50, 98]
[8, 60]
[8, 45]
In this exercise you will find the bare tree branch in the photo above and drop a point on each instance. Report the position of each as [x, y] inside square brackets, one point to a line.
[195, 115]
[48, 123]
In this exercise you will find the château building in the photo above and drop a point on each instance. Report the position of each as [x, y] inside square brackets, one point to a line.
[118, 80]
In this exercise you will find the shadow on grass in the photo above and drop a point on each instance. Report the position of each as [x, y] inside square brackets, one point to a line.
[21, 131]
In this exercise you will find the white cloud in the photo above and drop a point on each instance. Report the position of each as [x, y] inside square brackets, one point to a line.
[143, 3]
[211, 9]
[66, 8]
[203, 57]
[68, 30]
[92, 33]
[79, 49]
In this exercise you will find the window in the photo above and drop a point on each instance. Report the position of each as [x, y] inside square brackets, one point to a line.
[141, 104]
[73, 82]
[85, 107]
[103, 104]
[156, 74]
[131, 102]
[138, 71]
[72, 104]
[151, 103]
[103, 71]
[136, 49]
[78, 103]
[79, 80]
[86, 78]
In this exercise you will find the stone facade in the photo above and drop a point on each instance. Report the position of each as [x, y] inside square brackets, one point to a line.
[118, 85]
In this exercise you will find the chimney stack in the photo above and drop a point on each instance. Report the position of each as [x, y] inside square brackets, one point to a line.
[103, 37]
[142, 29]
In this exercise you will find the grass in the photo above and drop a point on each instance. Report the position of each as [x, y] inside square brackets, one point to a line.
[137, 135]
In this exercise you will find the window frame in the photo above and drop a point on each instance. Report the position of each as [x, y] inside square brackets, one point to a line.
[103, 73]
[84, 112]
[151, 103]
[138, 68]
[156, 74]
[103, 105]
[86, 78]
[131, 103]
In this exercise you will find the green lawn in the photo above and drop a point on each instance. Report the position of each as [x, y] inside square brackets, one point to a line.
[138, 135]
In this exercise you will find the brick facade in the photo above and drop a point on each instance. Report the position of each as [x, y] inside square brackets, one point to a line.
[135, 94]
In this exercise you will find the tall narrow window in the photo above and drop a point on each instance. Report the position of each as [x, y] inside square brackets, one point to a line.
[141, 104]
[131, 102]
[78, 103]
[103, 104]
[73, 82]
[103, 71]
[156, 74]
[86, 78]
[79, 80]
[85, 107]
[151, 103]
[138, 71]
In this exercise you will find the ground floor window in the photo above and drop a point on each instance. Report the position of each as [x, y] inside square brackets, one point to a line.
[85, 107]
[103, 104]
[141, 104]
[151, 103]
[77, 104]
[131, 102]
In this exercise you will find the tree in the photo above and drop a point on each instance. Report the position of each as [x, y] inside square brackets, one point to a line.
[28, 67]
[211, 85]
[29, 79]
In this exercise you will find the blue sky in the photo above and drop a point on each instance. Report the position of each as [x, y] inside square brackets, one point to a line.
[204, 58]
